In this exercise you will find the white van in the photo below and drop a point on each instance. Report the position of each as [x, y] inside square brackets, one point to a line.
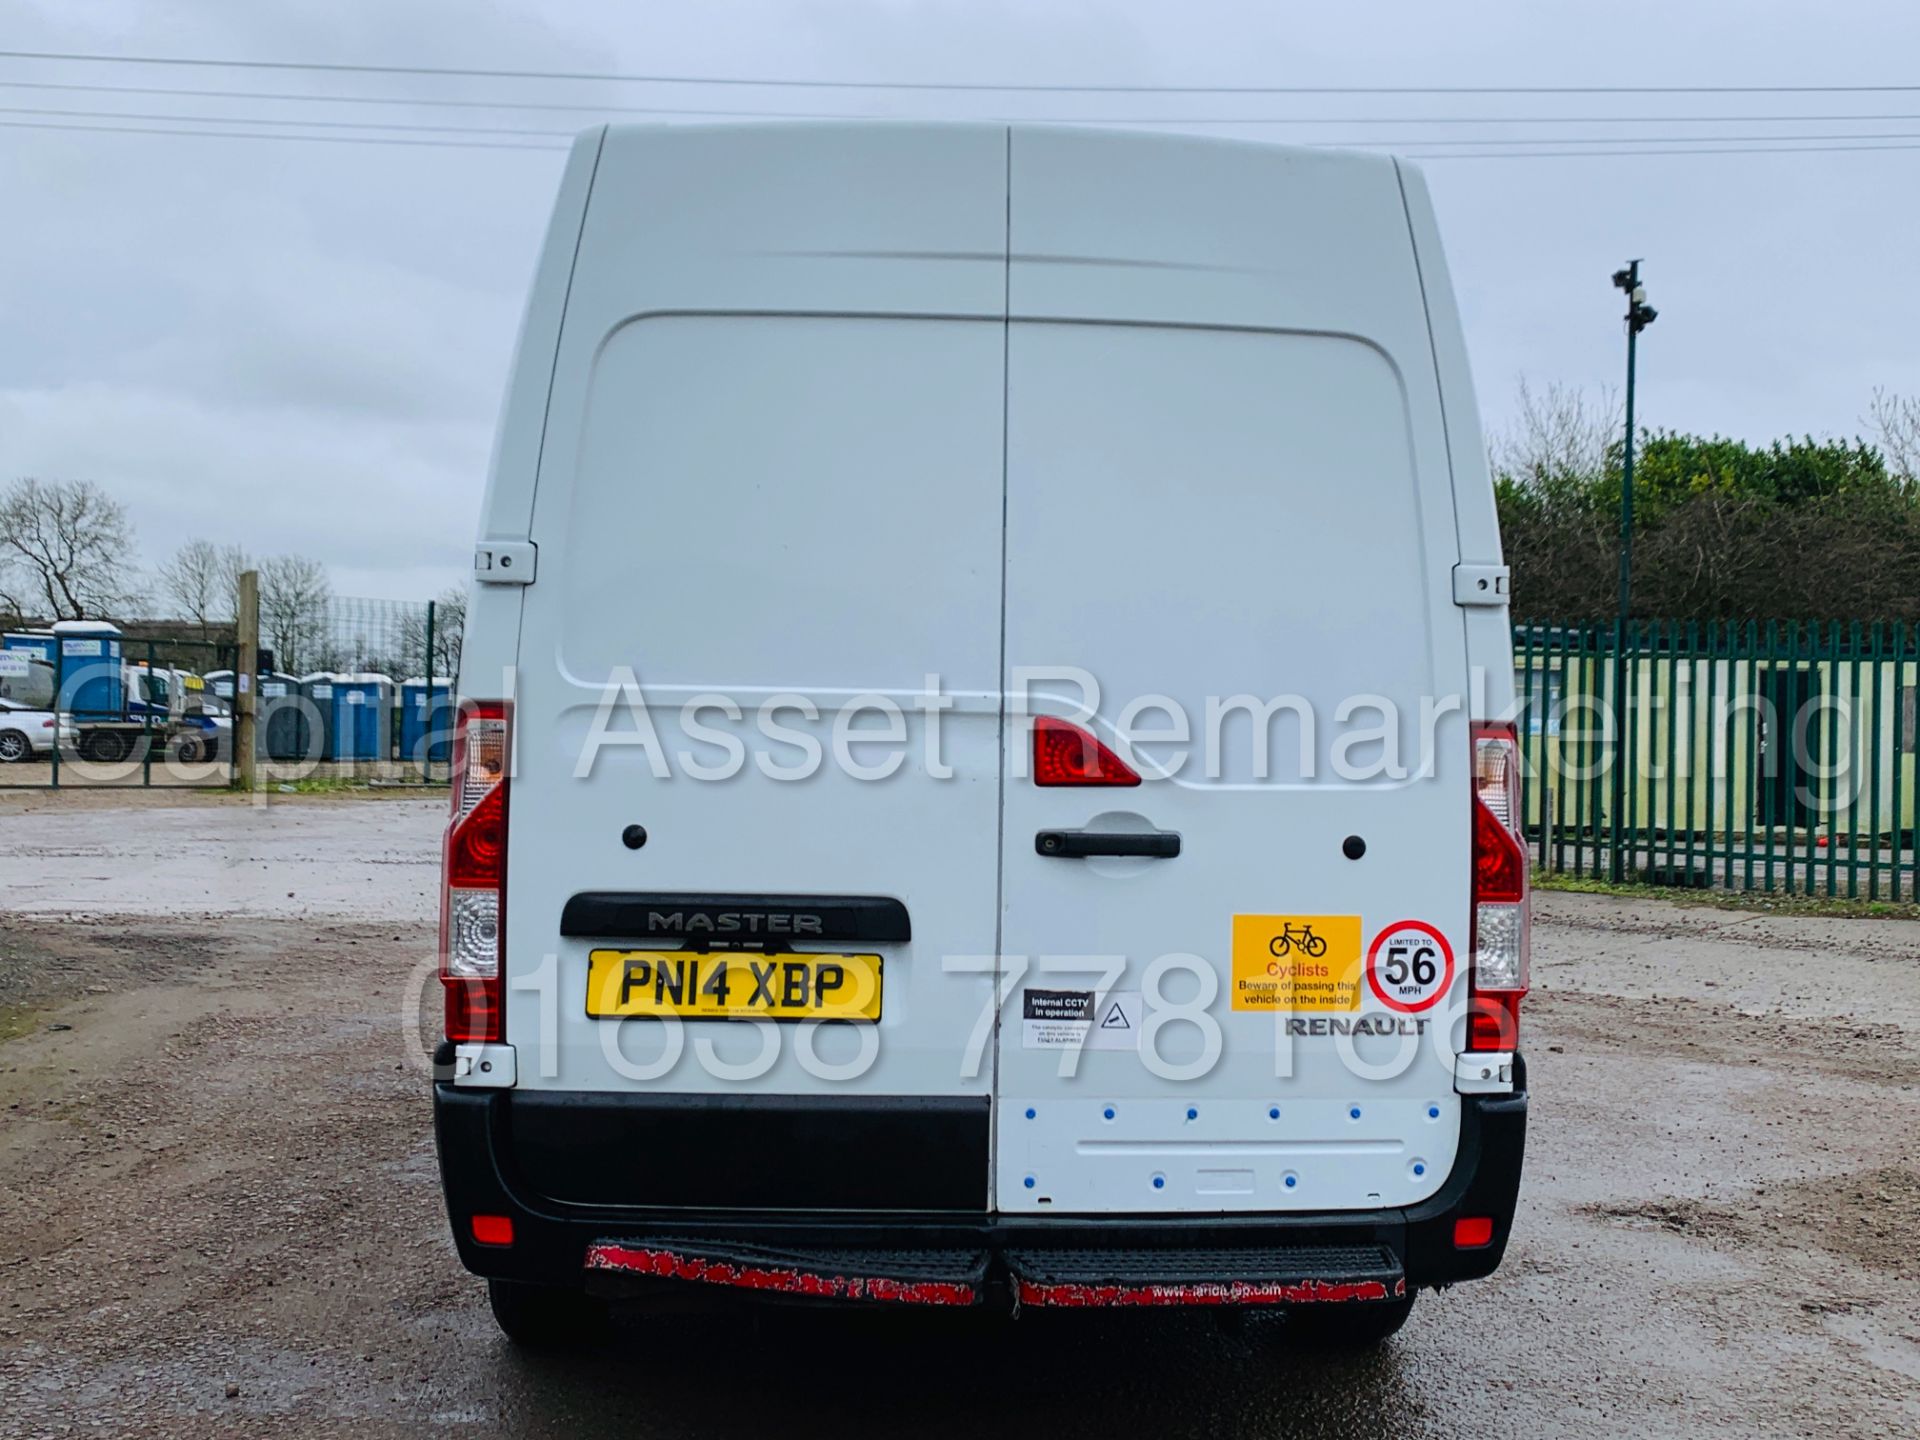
[982, 774]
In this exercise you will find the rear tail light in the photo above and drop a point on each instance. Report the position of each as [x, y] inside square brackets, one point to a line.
[1065, 754]
[1501, 929]
[474, 874]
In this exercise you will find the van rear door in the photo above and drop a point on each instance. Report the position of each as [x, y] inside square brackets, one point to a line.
[770, 506]
[1228, 504]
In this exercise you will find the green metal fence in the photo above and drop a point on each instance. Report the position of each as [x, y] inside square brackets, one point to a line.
[1771, 756]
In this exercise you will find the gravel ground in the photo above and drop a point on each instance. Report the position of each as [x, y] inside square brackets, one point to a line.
[219, 1213]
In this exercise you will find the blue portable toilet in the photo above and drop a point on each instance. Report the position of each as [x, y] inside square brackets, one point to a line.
[426, 719]
[220, 682]
[317, 692]
[284, 718]
[91, 685]
[38, 643]
[360, 705]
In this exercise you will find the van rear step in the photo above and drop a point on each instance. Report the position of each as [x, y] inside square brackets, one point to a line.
[1048, 1277]
[1264, 1275]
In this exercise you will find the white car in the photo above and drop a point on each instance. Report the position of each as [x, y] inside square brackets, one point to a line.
[985, 772]
[25, 733]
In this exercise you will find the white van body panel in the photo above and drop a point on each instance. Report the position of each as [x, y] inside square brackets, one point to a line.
[806, 415]
[491, 638]
[1227, 476]
[772, 473]
[1491, 695]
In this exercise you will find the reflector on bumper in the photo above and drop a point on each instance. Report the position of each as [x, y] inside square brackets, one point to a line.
[1267, 1275]
[933, 1277]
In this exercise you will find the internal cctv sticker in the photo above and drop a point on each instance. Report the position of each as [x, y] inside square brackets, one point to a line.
[1409, 966]
[1080, 1020]
[1291, 963]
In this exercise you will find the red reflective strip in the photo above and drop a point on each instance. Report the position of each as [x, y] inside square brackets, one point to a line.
[777, 1279]
[1229, 1292]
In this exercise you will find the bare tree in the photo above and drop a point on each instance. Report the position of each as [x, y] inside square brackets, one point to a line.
[294, 599]
[449, 624]
[449, 630]
[203, 579]
[1896, 424]
[1561, 435]
[66, 551]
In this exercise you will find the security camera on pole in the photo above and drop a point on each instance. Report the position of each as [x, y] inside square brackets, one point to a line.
[1639, 316]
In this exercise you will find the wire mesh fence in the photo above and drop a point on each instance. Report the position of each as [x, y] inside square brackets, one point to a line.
[365, 688]
[1758, 756]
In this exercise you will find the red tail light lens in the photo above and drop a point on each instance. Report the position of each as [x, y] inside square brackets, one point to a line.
[1065, 754]
[1502, 937]
[477, 843]
[473, 895]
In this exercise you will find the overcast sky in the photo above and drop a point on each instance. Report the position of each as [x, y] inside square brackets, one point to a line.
[300, 346]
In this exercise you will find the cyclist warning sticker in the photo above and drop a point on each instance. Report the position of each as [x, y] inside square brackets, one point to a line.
[1409, 966]
[1296, 962]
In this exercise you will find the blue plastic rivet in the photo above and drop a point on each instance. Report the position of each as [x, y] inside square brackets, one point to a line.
[1029, 1182]
[1030, 1112]
[1291, 1182]
[1274, 1113]
[1192, 1114]
[1433, 1112]
[1419, 1169]
[1108, 1112]
[1159, 1182]
[1354, 1113]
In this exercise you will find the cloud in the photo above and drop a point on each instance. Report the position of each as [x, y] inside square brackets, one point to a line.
[302, 346]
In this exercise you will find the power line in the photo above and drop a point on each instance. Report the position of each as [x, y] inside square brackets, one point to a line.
[257, 135]
[400, 125]
[575, 107]
[1733, 148]
[1360, 143]
[1014, 87]
[1617, 139]
[1585, 154]
[437, 102]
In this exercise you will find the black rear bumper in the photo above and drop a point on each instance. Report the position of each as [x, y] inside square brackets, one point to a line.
[955, 1255]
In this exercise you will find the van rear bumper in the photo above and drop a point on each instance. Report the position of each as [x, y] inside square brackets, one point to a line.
[969, 1257]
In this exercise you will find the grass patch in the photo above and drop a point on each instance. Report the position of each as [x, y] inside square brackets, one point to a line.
[1765, 902]
[17, 1020]
[350, 785]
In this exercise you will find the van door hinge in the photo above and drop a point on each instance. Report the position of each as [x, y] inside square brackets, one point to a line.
[504, 562]
[1480, 584]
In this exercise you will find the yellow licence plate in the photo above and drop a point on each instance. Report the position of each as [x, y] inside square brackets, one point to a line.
[733, 985]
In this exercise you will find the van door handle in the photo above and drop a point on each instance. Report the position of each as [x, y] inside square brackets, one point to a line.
[1078, 844]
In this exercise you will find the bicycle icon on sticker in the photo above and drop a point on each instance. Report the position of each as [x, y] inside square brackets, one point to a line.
[1299, 937]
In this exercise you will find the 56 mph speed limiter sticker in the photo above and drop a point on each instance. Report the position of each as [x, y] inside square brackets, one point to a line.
[1409, 966]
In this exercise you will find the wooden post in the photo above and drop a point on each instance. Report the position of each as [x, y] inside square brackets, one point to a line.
[245, 682]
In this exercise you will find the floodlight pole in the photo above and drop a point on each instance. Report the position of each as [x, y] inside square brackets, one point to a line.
[1639, 316]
